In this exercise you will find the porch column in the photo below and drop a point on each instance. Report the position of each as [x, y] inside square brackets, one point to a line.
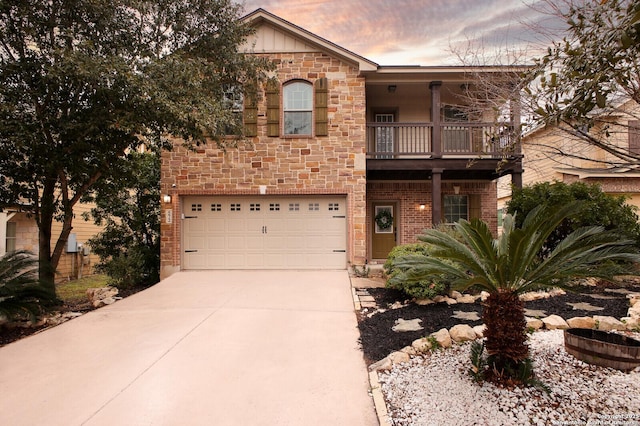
[436, 139]
[436, 196]
[516, 179]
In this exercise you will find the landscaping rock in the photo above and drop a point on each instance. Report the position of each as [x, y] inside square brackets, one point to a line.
[442, 337]
[608, 323]
[484, 295]
[632, 324]
[557, 292]
[479, 330]
[398, 357]
[409, 351]
[402, 325]
[424, 302]
[634, 311]
[102, 296]
[384, 364]
[450, 301]
[455, 295]
[534, 323]
[462, 333]
[634, 298]
[421, 345]
[581, 322]
[467, 298]
[553, 322]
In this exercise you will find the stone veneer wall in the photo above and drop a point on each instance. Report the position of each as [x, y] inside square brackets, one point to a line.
[333, 164]
[410, 195]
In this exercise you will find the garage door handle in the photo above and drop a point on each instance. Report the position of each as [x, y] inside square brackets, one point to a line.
[339, 217]
[191, 251]
[189, 217]
[339, 251]
[264, 229]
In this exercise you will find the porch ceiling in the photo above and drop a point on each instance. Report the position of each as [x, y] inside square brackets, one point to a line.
[451, 168]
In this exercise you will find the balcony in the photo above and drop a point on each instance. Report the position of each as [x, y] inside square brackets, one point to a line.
[457, 140]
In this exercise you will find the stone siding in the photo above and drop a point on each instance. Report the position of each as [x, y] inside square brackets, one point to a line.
[332, 165]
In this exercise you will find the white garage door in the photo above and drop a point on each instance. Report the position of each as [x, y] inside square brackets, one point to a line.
[262, 232]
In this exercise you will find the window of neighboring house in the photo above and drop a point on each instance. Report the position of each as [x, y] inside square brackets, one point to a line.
[298, 108]
[634, 136]
[233, 101]
[500, 218]
[455, 207]
[11, 237]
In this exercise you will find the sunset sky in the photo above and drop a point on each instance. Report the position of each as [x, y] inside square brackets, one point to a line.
[410, 32]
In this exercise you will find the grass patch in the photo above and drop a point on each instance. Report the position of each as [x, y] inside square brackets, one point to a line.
[76, 291]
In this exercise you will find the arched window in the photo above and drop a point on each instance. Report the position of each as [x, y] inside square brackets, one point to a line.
[298, 108]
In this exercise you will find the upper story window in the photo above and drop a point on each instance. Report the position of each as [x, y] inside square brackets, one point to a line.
[233, 101]
[298, 108]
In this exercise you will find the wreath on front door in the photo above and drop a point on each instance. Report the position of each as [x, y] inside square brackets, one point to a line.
[384, 220]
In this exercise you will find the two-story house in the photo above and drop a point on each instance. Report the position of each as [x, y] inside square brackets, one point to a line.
[345, 159]
[553, 154]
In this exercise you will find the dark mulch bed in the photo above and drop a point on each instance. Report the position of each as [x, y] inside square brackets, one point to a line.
[378, 339]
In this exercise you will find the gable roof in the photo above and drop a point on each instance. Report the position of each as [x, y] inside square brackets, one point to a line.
[299, 39]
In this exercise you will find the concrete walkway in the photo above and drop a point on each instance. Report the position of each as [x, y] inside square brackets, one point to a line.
[199, 348]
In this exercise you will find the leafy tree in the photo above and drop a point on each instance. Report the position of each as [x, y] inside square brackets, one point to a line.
[600, 209]
[510, 265]
[21, 295]
[129, 207]
[84, 81]
[584, 78]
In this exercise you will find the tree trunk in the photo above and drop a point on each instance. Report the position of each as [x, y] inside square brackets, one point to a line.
[506, 332]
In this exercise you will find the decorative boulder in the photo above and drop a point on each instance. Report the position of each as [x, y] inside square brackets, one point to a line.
[479, 330]
[581, 322]
[442, 337]
[608, 323]
[102, 296]
[534, 323]
[398, 357]
[462, 333]
[421, 345]
[466, 298]
[554, 322]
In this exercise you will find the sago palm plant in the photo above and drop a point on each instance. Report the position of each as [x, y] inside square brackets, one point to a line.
[21, 295]
[510, 265]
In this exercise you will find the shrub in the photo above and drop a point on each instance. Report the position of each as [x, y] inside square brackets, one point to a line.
[21, 295]
[420, 290]
[600, 209]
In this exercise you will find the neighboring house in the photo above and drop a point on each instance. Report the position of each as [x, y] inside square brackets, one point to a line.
[18, 231]
[551, 154]
[346, 159]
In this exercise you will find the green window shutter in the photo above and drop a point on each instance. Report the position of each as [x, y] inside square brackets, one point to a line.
[250, 112]
[322, 101]
[273, 108]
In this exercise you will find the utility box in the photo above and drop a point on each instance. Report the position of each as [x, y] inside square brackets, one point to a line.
[72, 244]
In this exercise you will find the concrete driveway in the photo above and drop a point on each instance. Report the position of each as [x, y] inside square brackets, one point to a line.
[199, 348]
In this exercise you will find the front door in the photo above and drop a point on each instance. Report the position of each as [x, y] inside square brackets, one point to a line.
[384, 229]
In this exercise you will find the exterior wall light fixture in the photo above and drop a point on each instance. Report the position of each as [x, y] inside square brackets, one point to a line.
[166, 198]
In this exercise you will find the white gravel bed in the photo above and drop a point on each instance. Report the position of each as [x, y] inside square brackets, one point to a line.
[435, 389]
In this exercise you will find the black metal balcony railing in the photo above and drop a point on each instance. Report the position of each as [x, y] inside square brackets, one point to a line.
[415, 140]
